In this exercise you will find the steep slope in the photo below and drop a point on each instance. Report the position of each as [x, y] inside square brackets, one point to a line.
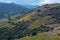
[49, 16]
[37, 24]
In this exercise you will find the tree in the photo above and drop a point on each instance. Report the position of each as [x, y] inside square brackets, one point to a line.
[39, 11]
[9, 18]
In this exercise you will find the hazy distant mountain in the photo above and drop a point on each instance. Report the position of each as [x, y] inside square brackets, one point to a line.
[10, 9]
[30, 6]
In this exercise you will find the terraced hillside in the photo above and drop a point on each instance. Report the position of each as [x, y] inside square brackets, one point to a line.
[37, 24]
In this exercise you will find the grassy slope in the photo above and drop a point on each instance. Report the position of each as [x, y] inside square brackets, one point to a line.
[40, 21]
[27, 17]
[40, 37]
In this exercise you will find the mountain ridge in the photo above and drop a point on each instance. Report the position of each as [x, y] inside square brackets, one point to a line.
[9, 9]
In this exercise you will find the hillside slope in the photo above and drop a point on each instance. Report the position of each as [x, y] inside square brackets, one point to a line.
[37, 24]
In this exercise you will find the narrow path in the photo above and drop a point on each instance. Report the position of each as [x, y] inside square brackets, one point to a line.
[56, 28]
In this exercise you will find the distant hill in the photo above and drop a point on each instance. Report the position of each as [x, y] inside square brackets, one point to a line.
[31, 6]
[11, 9]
